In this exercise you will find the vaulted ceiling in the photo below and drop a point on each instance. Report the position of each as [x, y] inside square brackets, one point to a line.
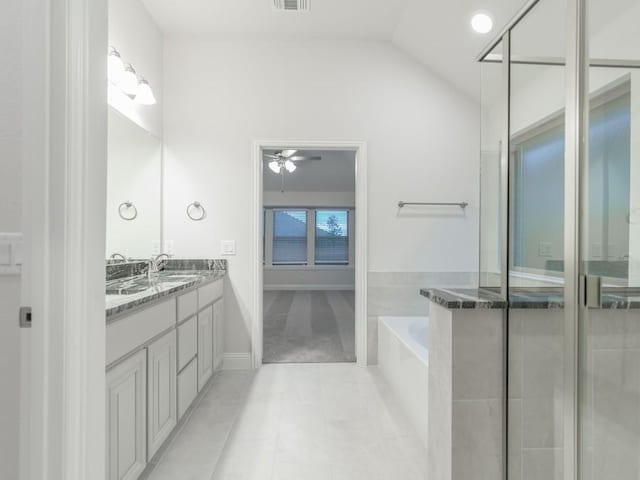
[435, 32]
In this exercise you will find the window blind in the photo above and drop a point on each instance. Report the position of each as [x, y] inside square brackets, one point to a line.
[332, 237]
[289, 237]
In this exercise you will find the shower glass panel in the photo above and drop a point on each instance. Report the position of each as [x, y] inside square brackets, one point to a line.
[537, 104]
[609, 328]
[493, 125]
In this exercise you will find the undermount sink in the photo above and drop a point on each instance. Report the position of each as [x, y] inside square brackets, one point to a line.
[128, 288]
[176, 277]
[141, 284]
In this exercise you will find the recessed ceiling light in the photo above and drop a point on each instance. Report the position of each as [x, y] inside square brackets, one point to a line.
[482, 23]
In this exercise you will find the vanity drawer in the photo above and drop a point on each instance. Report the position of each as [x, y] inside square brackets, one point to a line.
[209, 293]
[187, 387]
[187, 305]
[187, 342]
[129, 333]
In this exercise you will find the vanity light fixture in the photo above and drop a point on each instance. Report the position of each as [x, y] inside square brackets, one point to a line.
[482, 23]
[129, 81]
[125, 78]
[115, 66]
[144, 95]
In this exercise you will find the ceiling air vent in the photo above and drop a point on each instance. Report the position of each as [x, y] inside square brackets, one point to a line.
[292, 5]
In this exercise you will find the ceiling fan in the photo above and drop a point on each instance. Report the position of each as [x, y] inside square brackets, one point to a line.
[286, 161]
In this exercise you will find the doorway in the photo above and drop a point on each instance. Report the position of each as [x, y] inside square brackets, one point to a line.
[309, 255]
[311, 247]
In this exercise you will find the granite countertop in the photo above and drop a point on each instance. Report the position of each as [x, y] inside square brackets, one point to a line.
[464, 298]
[522, 298]
[125, 293]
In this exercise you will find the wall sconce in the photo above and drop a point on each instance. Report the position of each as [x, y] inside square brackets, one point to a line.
[124, 76]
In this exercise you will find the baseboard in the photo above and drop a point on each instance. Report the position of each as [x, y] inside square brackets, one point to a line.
[309, 287]
[237, 361]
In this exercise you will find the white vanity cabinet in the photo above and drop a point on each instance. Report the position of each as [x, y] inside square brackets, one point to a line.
[126, 418]
[218, 335]
[205, 346]
[162, 396]
[158, 359]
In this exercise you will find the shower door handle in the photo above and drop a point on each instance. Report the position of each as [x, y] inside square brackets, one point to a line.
[593, 291]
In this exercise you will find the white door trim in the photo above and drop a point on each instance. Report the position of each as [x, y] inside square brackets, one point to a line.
[360, 147]
[64, 158]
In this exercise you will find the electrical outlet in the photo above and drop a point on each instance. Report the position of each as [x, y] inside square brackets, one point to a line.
[168, 247]
[156, 247]
[544, 249]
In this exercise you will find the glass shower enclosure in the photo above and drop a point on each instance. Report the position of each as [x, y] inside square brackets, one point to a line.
[560, 234]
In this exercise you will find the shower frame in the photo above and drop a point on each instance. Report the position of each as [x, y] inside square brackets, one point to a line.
[577, 66]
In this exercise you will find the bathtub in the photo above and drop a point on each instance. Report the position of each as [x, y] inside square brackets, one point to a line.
[403, 359]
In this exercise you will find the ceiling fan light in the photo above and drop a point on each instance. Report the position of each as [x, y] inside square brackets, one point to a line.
[129, 81]
[115, 67]
[144, 95]
[290, 166]
[274, 166]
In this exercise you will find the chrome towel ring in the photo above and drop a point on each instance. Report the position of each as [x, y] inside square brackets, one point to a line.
[127, 211]
[196, 212]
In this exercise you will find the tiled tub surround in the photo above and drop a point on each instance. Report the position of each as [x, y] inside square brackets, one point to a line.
[536, 340]
[463, 298]
[544, 298]
[466, 389]
[394, 294]
[404, 363]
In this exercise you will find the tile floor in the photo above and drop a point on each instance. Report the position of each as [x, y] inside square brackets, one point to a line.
[296, 421]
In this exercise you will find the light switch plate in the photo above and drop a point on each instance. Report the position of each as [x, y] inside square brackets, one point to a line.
[17, 252]
[10, 253]
[228, 247]
[168, 247]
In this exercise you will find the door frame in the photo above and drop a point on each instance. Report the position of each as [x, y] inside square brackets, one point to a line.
[361, 257]
[64, 220]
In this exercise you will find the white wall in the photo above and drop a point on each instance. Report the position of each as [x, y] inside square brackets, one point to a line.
[309, 199]
[10, 221]
[422, 136]
[134, 34]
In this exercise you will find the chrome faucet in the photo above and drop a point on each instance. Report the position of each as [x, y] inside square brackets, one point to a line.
[115, 256]
[154, 264]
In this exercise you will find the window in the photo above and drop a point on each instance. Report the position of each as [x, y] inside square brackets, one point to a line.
[332, 237]
[289, 237]
[313, 237]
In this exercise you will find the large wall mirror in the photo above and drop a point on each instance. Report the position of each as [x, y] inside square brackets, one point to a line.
[134, 177]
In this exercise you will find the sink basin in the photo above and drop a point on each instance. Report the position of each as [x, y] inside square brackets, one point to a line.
[176, 277]
[141, 284]
[127, 289]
